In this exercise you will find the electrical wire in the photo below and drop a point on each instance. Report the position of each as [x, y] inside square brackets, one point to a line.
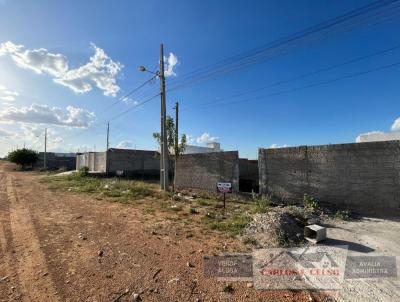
[309, 85]
[305, 75]
[281, 45]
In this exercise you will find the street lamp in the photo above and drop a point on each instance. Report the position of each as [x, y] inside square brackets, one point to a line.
[164, 182]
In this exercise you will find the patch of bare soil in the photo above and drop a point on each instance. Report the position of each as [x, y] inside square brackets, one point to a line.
[62, 246]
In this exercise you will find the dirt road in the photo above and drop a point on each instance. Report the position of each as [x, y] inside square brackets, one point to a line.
[69, 247]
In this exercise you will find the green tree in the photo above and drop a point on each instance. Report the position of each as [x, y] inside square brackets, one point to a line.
[180, 148]
[23, 157]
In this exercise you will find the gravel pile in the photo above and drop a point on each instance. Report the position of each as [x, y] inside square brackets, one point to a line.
[275, 228]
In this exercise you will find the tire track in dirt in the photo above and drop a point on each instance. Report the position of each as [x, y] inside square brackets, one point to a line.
[30, 263]
[9, 284]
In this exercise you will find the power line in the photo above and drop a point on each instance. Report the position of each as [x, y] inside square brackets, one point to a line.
[305, 75]
[135, 107]
[257, 54]
[348, 21]
[121, 99]
[103, 122]
[311, 85]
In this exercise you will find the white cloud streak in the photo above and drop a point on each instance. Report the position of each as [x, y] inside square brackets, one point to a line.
[374, 136]
[101, 71]
[125, 144]
[7, 94]
[396, 125]
[274, 146]
[171, 62]
[206, 138]
[43, 114]
[5, 133]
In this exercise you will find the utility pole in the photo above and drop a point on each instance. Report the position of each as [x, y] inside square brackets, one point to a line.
[176, 138]
[45, 149]
[164, 182]
[108, 134]
[176, 130]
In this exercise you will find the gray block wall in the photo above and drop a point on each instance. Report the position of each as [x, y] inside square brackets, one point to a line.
[134, 162]
[204, 170]
[138, 163]
[55, 162]
[363, 177]
[95, 161]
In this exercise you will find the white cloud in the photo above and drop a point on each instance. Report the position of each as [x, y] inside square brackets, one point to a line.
[274, 146]
[374, 136]
[396, 125]
[9, 48]
[206, 138]
[34, 136]
[7, 94]
[43, 114]
[125, 144]
[128, 100]
[5, 133]
[171, 62]
[190, 139]
[101, 71]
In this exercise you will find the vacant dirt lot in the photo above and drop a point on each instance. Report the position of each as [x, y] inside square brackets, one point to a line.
[58, 246]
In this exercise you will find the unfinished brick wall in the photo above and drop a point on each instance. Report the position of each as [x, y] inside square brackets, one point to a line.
[363, 177]
[204, 170]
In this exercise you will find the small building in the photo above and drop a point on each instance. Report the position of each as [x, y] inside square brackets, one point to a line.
[57, 161]
[210, 147]
[126, 162]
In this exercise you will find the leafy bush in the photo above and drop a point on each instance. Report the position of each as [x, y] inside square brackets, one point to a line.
[343, 214]
[263, 203]
[83, 171]
[23, 157]
[310, 202]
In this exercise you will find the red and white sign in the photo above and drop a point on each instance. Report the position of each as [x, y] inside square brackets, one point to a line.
[224, 187]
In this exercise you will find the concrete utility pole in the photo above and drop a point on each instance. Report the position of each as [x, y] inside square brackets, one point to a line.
[108, 134]
[176, 145]
[45, 150]
[164, 182]
[176, 130]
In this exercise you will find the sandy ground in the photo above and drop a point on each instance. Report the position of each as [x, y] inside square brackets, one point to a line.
[58, 246]
[70, 247]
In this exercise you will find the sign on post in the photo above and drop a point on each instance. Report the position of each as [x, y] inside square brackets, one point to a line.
[224, 187]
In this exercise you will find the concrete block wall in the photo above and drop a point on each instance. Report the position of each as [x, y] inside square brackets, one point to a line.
[363, 177]
[55, 162]
[133, 162]
[204, 170]
[95, 161]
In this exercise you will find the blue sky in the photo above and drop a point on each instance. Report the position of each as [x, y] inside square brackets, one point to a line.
[47, 78]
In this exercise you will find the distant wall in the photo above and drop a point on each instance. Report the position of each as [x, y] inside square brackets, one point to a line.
[95, 161]
[55, 161]
[204, 170]
[248, 175]
[363, 177]
[141, 163]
